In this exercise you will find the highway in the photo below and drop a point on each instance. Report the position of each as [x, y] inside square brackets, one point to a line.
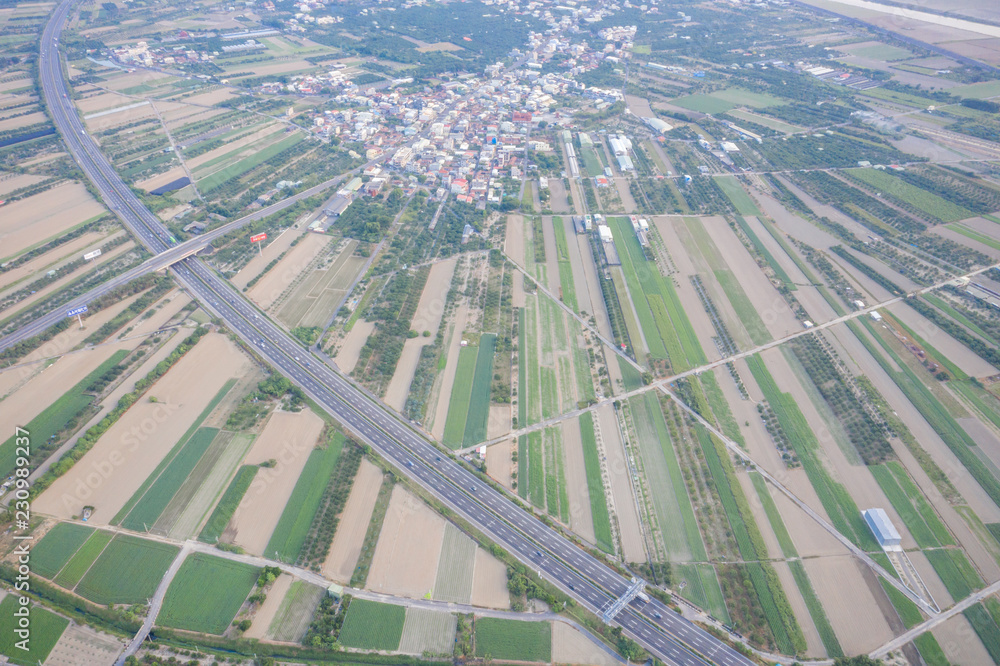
[558, 560]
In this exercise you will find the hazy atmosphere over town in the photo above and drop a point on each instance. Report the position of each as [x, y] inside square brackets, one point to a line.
[424, 332]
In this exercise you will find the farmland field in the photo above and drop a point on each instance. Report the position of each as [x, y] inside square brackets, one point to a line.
[46, 628]
[293, 526]
[458, 407]
[479, 396]
[83, 559]
[730, 185]
[455, 567]
[57, 416]
[373, 626]
[206, 594]
[223, 511]
[513, 639]
[428, 631]
[127, 572]
[928, 202]
[148, 509]
[595, 486]
[57, 547]
[293, 616]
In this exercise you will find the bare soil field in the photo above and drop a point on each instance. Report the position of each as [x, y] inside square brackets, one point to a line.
[958, 640]
[314, 299]
[621, 486]
[489, 582]
[272, 285]
[49, 258]
[350, 346]
[580, 518]
[956, 352]
[278, 67]
[427, 317]
[12, 378]
[814, 644]
[499, 420]
[103, 101]
[22, 121]
[346, 546]
[848, 602]
[265, 614]
[772, 308]
[406, 557]
[571, 646]
[499, 464]
[161, 179]
[287, 439]
[81, 646]
[108, 475]
[46, 387]
[210, 98]
[269, 253]
[29, 221]
[137, 78]
[514, 244]
[588, 285]
[12, 181]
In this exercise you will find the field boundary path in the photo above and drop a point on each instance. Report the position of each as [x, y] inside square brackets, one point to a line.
[901, 640]
[154, 605]
[666, 381]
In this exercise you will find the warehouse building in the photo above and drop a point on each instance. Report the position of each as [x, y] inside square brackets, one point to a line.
[880, 525]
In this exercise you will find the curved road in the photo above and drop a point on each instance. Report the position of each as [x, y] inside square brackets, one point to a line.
[580, 575]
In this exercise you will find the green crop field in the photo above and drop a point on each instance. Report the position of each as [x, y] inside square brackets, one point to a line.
[978, 90]
[428, 631]
[667, 329]
[206, 594]
[536, 470]
[461, 391]
[734, 191]
[704, 104]
[975, 235]
[46, 628]
[127, 572]
[146, 511]
[513, 640]
[955, 572]
[227, 505]
[566, 282]
[678, 526]
[881, 52]
[57, 416]
[296, 518]
[169, 458]
[916, 512]
[83, 559]
[595, 486]
[209, 183]
[702, 588]
[56, 548]
[928, 202]
[373, 626]
[455, 567]
[479, 396]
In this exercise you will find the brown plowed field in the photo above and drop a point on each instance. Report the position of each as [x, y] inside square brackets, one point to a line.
[357, 514]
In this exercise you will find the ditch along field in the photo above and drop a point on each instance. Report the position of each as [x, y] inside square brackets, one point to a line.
[37, 219]
[420, 554]
[288, 439]
[129, 452]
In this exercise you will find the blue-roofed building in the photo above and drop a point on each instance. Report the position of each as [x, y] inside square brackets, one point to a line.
[883, 529]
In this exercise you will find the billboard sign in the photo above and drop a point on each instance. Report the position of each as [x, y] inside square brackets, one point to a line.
[258, 238]
[92, 255]
[75, 312]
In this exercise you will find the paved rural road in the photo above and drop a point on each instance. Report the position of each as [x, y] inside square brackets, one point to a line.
[593, 584]
[155, 603]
